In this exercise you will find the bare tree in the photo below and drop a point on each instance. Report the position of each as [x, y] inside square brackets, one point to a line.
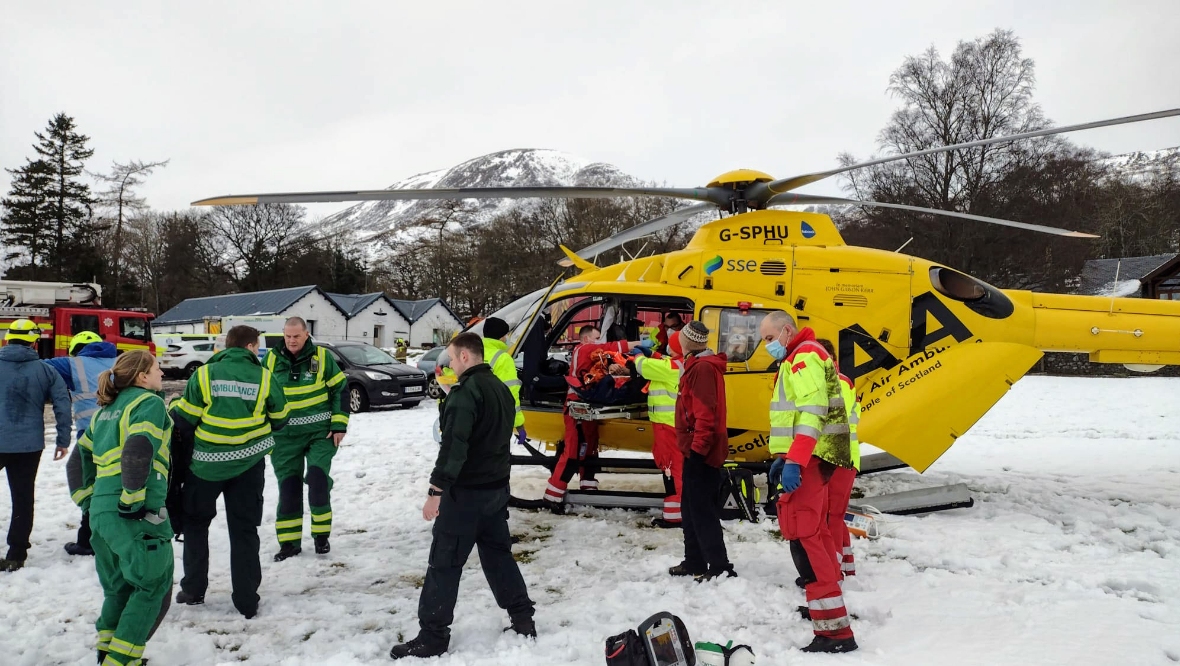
[256, 239]
[120, 198]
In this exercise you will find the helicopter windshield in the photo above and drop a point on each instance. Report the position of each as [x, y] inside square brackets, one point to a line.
[513, 314]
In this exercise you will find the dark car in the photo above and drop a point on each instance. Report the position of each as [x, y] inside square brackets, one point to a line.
[427, 364]
[376, 379]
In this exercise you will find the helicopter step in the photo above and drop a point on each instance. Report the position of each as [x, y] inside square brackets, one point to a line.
[880, 462]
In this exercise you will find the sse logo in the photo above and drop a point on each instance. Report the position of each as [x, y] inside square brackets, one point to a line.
[713, 264]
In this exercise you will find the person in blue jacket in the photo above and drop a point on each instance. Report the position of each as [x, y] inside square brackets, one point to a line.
[89, 357]
[26, 385]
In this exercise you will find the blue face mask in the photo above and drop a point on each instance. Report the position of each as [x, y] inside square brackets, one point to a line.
[776, 348]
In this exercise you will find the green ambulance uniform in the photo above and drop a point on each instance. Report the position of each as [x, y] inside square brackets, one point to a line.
[314, 387]
[233, 405]
[495, 354]
[132, 537]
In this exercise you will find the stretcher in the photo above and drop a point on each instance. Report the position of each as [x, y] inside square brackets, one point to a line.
[585, 411]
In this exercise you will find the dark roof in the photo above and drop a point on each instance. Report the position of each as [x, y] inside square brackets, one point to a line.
[272, 302]
[414, 310]
[353, 304]
[1097, 274]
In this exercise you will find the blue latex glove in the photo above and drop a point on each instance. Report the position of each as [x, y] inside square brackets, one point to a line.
[792, 476]
[646, 351]
[521, 436]
[647, 343]
[776, 473]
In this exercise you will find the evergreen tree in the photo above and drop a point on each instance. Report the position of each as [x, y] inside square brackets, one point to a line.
[68, 214]
[25, 211]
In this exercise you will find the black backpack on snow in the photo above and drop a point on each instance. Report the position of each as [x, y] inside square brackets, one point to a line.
[739, 496]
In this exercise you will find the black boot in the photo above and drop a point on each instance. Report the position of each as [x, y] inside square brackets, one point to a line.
[683, 569]
[525, 627]
[416, 647]
[187, 599]
[8, 566]
[726, 572]
[322, 547]
[831, 645]
[78, 549]
[665, 524]
[288, 549]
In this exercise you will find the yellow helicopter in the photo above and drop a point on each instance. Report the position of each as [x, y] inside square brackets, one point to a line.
[930, 349]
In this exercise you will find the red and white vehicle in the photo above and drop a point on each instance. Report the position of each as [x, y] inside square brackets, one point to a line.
[63, 310]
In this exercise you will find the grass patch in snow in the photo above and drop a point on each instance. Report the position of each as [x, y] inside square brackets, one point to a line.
[524, 556]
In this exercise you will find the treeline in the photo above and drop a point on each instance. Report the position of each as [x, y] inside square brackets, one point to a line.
[58, 227]
[985, 90]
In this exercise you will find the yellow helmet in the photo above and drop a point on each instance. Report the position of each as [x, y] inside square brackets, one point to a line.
[23, 330]
[84, 338]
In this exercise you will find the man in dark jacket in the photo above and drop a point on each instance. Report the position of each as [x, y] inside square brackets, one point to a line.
[702, 438]
[469, 497]
[26, 385]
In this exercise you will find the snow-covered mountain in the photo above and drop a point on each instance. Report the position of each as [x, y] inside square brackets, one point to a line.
[1139, 164]
[507, 168]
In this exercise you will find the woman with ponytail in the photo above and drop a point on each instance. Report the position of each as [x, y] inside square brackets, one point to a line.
[125, 467]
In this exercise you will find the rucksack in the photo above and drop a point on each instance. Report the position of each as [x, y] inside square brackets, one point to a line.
[662, 640]
[739, 496]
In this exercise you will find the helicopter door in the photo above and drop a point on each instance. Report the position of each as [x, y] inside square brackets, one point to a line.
[865, 313]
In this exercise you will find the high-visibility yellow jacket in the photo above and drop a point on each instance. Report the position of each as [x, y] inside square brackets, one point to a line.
[806, 399]
[853, 407]
[664, 377]
[495, 354]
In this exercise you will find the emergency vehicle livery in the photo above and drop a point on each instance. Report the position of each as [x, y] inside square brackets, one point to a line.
[62, 310]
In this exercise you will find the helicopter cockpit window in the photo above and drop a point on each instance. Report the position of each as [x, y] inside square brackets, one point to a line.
[980, 296]
[737, 335]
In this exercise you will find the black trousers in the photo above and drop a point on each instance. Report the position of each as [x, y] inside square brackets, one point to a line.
[704, 541]
[84, 531]
[22, 479]
[470, 518]
[243, 513]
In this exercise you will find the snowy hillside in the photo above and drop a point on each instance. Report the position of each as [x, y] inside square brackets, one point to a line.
[1140, 164]
[509, 168]
[1071, 555]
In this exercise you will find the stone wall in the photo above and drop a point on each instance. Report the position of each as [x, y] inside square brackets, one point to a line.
[1053, 363]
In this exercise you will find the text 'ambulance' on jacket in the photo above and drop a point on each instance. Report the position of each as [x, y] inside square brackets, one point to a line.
[314, 387]
[236, 406]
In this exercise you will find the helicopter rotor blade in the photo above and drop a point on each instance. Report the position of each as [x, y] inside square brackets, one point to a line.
[790, 198]
[640, 230]
[716, 195]
[765, 192]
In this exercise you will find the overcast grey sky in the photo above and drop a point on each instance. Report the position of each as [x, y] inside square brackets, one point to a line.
[286, 96]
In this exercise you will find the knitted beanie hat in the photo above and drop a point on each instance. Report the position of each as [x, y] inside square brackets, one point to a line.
[695, 332]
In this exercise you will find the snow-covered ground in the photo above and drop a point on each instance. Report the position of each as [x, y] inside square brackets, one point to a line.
[1071, 555]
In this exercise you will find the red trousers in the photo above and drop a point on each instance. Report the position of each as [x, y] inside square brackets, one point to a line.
[802, 517]
[668, 457]
[839, 492]
[581, 445]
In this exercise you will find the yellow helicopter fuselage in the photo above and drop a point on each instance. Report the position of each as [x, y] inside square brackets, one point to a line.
[930, 349]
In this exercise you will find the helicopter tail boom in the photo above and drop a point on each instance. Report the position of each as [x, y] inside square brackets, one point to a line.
[1111, 330]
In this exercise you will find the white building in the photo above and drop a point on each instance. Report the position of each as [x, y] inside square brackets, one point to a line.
[372, 318]
[432, 322]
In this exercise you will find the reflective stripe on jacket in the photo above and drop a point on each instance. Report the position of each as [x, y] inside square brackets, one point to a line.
[807, 398]
[495, 354]
[664, 377]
